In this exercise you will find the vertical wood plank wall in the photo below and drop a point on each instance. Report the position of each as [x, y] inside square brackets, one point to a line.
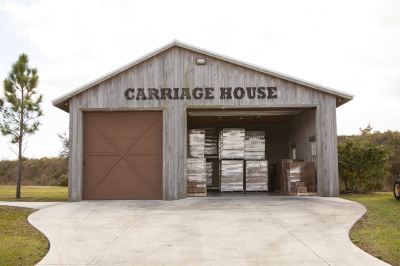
[327, 155]
[176, 67]
[300, 129]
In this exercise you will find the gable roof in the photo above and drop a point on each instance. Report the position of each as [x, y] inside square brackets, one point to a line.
[61, 102]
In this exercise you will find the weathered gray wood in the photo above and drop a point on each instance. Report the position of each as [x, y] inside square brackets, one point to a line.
[71, 155]
[175, 67]
[341, 96]
[300, 129]
[75, 153]
[327, 167]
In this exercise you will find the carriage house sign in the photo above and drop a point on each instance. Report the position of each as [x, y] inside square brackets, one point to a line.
[200, 93]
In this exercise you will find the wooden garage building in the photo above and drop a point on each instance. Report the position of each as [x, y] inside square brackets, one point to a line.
[128, 129]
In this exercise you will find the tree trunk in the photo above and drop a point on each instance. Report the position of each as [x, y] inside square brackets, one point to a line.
[18, 192]
[21, 136]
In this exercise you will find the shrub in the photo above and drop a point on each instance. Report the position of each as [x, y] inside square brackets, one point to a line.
[63, 181]
[363, 165]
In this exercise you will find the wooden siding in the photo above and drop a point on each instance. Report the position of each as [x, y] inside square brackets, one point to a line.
[300, 129]
[327, 156]
[176, 68]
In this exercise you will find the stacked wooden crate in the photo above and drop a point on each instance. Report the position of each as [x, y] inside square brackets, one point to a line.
[211, 142]
[212, 172]
[301, 189]
[257, 175]
[231, 159]
[298, 177]
[256, 165]
[231, 143]
[231, 175]
[231, 153]
[254, 144]
[196, 177]
[196, 164]
[209, 173]
[211, 155]
[293, 175]
[196, 143]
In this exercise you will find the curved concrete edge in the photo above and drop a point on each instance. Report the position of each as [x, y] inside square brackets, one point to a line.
[29, 204]
[42, 232]
[37, 206]
[351, 227]
[44, 206]
[348, 228]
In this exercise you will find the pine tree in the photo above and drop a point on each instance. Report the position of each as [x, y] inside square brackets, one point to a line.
[20, 108]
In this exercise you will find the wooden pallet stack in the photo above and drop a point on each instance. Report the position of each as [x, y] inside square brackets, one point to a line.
[231, 175]
[196, 164]
[211, 155]
[231, 154]
[301, 189]
[211, 142]
[196, 143]
[298, 177]
[196, 177]
[209, 173]
[254, 144]
[231, 143]
[257, 175]
[293, 175]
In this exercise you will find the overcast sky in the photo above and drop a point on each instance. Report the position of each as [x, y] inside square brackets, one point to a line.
[352, 46]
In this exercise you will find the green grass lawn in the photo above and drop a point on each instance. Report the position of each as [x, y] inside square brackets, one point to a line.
[20, 242]
[34, 193]
[378, 231]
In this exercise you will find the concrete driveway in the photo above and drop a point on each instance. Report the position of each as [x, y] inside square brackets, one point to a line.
[268, 230]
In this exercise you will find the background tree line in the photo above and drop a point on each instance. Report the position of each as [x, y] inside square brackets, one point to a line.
[36, 172]
[46, 171]
[369, 161]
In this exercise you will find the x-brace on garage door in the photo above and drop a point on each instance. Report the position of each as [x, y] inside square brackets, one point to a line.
[122, 155]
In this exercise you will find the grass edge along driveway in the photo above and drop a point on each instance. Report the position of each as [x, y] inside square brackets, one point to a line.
[20, 242]
[34, 193]
[378, 231]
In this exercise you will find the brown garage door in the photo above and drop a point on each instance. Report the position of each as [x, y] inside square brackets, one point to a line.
[122, 155]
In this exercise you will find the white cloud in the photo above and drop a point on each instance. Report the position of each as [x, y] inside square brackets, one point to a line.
[348, 45]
